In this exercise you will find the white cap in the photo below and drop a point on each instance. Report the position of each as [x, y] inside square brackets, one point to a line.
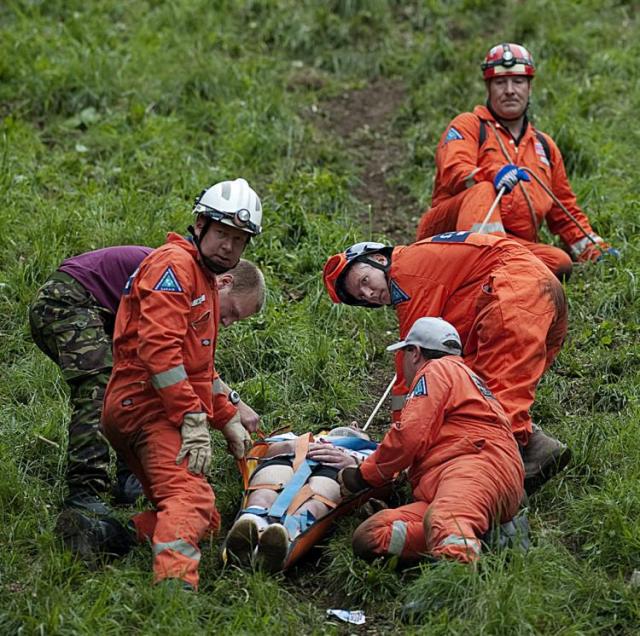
[435, 334]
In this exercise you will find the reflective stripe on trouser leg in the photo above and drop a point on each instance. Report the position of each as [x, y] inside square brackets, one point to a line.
[185, 504]
[398, 537]
[488, 228]
[179, 545]
[457, 546]
[396, 531]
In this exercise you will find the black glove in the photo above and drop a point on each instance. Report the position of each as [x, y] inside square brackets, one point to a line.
[351, 481]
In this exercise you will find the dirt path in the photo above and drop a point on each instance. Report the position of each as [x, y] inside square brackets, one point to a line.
[363, 120]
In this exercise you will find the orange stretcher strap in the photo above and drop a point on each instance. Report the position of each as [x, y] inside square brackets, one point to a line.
[302, 448]
[276, 487]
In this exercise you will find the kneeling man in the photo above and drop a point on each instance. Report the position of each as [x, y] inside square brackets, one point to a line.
[456, 442]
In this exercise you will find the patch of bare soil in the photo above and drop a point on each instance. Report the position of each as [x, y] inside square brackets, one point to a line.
[362, 120]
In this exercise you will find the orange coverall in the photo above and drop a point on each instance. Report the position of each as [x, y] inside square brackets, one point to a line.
[508, 308]
[464, 467]
[463, 190]
[163, 352]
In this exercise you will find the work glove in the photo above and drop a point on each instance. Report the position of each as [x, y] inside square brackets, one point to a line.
[238, 440]
[592, 253]
[508, 177]
[351, 481]
[196, 442]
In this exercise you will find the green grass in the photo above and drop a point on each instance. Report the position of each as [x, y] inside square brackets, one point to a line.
[114, 115]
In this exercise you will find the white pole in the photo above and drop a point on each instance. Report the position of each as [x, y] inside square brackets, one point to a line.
[379, 404]
[491, 209]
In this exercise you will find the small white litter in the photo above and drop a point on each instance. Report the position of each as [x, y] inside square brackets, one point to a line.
[355, 618]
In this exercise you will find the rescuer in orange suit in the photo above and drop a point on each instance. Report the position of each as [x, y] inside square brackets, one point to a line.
[161, 399]
[456, 442]
[510, 312]
[482, 152]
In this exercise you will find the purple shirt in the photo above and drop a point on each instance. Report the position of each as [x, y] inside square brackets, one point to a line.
[103, 273]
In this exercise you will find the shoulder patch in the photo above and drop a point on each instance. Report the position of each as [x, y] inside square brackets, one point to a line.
[453, 135]
[420, 389]
[397, 295]
[450, 237]
[168, 282]
[482, 387]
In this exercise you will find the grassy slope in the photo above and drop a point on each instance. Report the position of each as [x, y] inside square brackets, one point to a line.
[114, 115]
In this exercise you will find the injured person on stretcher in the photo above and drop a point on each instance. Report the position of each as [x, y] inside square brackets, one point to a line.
[292, 495]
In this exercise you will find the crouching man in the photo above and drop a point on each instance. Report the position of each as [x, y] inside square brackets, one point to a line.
[456, 442]
[161, 398]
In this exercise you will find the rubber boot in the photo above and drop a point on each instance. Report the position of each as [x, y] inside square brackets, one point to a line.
[87, 501]
[127, 489]
[93, 538]
[543, 457]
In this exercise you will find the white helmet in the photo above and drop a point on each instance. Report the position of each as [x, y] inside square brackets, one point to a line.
[233, 203]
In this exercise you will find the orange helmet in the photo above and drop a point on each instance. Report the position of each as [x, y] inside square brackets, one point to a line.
[508, 59]
[337, 266]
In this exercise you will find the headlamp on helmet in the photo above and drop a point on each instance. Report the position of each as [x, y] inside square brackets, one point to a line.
[231, 203]
[508, 59]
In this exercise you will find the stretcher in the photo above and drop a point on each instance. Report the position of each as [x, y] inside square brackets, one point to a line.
[296, 492]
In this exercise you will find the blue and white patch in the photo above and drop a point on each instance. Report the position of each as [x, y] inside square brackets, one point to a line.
[397, 295]
[542, 155]
[420, 388]
[198, 301]
[129, 283]
[453, 134]
[205, 342]
[168, 282]
[482, 387]
[450, 237]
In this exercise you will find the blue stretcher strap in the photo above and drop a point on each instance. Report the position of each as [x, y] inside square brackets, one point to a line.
[352, 443]
[297, 524]
[281, 504]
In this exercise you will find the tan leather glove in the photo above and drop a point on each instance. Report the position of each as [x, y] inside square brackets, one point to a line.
[238, 440]
[196, 442]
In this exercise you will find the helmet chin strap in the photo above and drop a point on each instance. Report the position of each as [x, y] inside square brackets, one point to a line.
[213, 267]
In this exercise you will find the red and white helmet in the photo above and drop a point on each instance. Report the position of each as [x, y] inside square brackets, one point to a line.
[337, 266]
[508, 59]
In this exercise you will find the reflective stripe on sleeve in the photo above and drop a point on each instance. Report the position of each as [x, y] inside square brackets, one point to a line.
[488, 227]
[469, 182]
[217, 386]
[180, 546]
[397, 402]
[169, 377]
[455, 539]
[398, 537]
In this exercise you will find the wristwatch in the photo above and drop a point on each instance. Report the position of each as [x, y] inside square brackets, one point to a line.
[234, 397]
